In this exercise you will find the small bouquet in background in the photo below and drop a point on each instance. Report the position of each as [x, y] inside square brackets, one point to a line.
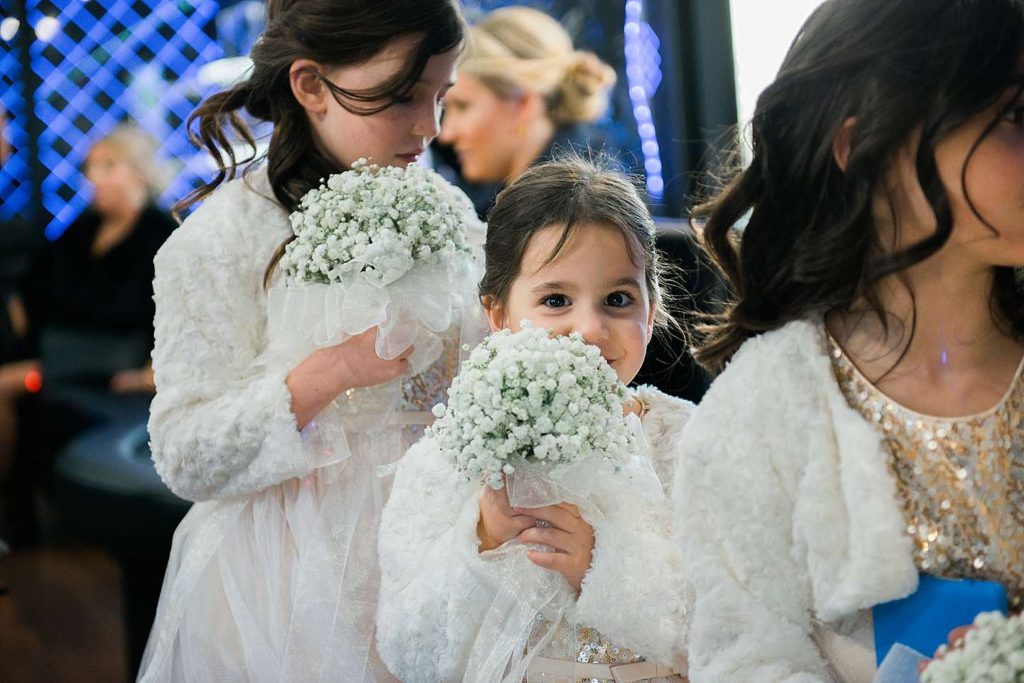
[376, 246]
[530, 402]
[992, 652]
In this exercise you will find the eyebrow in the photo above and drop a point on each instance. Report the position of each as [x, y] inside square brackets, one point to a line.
[549, 286]
[632, 281]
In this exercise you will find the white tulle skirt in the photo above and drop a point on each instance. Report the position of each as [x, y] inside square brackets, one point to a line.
[280, 585]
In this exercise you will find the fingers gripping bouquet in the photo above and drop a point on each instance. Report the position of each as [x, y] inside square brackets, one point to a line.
[543, 415]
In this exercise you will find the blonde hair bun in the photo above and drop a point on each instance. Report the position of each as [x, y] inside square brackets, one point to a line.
[515, 49]
[582, 95]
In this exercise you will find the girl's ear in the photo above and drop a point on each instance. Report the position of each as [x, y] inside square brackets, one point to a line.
[308, 89]
[495, 312]
[842, 141]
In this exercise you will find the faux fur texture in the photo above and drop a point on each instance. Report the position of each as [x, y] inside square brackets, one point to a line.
[787, 511]
[435, 588]
[221, 423]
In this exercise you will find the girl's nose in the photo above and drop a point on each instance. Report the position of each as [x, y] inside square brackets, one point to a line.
[428, 123]
[593, 326]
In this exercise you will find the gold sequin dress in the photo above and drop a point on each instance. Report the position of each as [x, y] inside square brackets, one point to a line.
[581, 643]
[960, 480]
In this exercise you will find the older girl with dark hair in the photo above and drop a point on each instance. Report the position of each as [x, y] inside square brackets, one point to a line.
[870, 407]
[273, 574]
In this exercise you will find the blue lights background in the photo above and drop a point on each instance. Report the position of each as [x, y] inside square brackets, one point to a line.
[95, 63]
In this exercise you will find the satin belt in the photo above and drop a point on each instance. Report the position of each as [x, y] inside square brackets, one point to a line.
[620, 673]
[413, 417]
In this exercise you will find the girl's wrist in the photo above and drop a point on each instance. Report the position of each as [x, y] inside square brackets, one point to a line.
[486, 541]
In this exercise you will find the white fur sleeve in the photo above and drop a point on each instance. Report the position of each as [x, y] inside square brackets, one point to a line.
[435, 590]
[637, 592]
[734, 496]
[221, 422]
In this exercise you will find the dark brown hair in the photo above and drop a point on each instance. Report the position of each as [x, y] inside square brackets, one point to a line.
[332, 32]
[567, 192]
[809, 243]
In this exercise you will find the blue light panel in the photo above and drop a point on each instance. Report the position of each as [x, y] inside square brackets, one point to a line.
[102, 62]
[15, 173]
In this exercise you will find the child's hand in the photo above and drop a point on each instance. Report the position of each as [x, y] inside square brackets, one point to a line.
[328, 372]
[563, 529]
[953, 641]
[498, 523]
[355, 363]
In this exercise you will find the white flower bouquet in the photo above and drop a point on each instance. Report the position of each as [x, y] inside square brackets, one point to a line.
[376, 246]
[375, 221]
[530, 400]
[992, 652]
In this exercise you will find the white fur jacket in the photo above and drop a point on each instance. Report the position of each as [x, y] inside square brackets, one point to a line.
[435, 589]
[787, 513]
[221, 423]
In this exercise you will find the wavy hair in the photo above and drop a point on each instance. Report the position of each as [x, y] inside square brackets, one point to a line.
[809, 244]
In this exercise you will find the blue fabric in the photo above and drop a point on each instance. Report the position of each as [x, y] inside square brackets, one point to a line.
[900, 666]
[923, 620]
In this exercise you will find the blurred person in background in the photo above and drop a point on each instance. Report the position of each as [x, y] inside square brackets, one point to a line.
[20, 239]
[83, 321]
[523, 93]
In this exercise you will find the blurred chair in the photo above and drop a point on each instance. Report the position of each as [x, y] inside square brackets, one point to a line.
[109, 493]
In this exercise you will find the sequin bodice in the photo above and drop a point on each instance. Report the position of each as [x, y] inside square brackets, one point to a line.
[580, 643]
[960, 481]
[423, 391]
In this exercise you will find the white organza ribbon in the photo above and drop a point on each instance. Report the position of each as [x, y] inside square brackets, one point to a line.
[500, 650]
[305, 316]
[598, 486]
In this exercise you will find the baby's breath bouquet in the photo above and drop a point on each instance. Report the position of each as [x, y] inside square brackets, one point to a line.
[993, 652]
[531, 400]
[376, 246]
[378, 222]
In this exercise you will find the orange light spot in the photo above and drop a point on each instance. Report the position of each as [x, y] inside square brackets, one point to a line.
[33, 381]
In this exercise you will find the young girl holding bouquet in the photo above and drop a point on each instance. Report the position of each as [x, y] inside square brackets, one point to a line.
[273, 574]
[570, 248]
[870, 414]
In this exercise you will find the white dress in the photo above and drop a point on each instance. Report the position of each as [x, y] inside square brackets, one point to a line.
[273, 574]
[437, 588]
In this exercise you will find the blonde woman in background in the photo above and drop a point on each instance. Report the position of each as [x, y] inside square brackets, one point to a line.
[523, 93]
[84, 321]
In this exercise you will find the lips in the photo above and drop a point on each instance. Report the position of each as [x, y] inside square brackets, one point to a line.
[409, 157]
